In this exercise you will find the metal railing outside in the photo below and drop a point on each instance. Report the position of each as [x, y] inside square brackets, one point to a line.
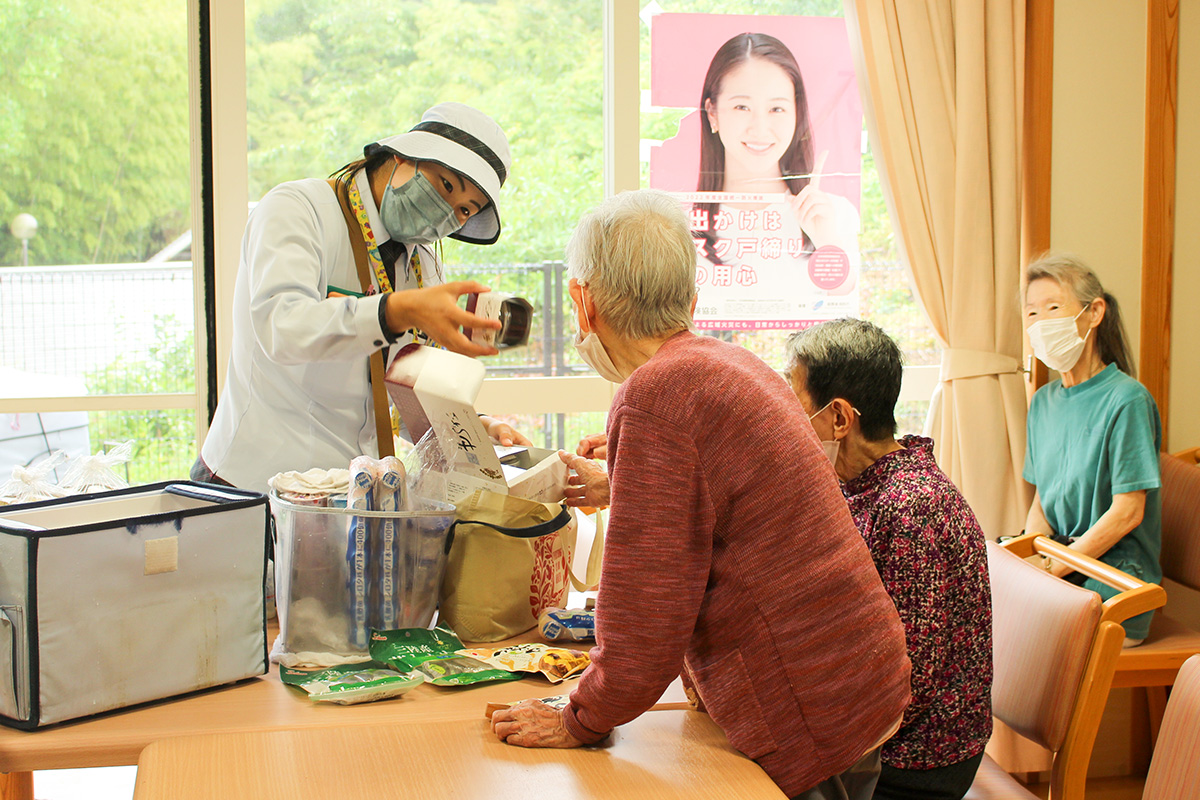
[126, 329]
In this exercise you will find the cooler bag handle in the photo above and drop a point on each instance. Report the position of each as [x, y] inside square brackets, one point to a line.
[532, 532]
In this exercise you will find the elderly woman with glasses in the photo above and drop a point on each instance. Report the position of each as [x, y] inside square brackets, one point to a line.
[926, 544]
[730, 554]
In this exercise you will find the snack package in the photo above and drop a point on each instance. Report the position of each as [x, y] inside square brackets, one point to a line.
[434, 654]
[362, 482]
[556, 663]
[559, 701]
[568, 624]
[348, 684]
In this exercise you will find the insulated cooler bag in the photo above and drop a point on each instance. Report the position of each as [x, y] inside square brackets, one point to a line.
[118, 598]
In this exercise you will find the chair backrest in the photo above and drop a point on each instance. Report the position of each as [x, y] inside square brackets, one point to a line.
[1175, 769]
[1180, 521]
[1053, 660]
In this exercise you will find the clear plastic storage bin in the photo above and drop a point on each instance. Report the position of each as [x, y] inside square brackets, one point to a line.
[321, 609]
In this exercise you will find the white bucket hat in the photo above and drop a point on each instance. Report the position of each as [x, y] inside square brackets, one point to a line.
[467, 141]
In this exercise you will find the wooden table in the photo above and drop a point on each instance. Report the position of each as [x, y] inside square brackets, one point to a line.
[661, 755]
[258, 704]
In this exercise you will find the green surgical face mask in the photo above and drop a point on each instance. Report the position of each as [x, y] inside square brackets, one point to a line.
[414, 213]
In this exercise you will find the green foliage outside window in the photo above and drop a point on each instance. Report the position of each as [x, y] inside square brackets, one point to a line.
[164, 440]
[93, 128]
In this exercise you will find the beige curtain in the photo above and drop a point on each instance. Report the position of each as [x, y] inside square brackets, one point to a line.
[943, 87]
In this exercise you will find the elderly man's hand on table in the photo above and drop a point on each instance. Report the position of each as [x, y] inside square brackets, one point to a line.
[589, 485]
[532, 723]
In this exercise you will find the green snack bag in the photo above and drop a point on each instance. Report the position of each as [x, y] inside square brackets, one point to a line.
[432, 653]
[347, 684]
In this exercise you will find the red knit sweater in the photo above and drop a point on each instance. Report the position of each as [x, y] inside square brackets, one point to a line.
[730, 548]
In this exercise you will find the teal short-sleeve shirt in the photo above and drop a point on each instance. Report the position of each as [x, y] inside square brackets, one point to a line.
[1087, 443]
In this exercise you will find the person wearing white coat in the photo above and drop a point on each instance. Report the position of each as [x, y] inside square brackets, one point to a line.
[297, 392]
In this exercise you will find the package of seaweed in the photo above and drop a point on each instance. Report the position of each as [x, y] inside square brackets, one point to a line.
[432, 653]
[348, 684]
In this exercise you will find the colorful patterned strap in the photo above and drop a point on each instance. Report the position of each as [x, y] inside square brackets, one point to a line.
[379, 399]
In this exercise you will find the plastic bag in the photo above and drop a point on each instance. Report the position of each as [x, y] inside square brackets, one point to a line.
[349, 684]
[31, 484]
[426, 468]
[97, 473]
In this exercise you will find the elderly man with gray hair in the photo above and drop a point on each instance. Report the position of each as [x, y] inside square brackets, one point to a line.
[730, 554]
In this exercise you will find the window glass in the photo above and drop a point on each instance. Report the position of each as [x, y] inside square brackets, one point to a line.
[313, 104]
[884, 294]
[321, 85]
[557, 431]
[96, 288]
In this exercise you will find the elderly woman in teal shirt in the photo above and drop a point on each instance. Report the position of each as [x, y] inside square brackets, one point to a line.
[1093, 436]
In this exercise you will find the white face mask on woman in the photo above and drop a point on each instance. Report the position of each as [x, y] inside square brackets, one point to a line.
[592, 351]
[830, 446]
[1057, 343]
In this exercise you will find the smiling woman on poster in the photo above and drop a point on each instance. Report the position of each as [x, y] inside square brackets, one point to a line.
[756, 138]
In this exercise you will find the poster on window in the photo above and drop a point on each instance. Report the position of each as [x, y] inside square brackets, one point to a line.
[767, 163]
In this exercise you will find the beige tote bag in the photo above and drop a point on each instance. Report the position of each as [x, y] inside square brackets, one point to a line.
[510, 561]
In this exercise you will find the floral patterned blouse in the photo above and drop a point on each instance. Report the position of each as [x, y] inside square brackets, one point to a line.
[929, 550]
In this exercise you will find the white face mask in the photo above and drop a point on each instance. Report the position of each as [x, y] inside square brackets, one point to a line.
[830, 447]
[592, 351]
[1056, 342]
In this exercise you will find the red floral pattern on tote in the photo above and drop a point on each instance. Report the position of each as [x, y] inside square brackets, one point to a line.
[548, 585]
[929, 550]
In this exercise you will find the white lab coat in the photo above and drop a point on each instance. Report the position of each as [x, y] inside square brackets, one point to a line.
[297, 393]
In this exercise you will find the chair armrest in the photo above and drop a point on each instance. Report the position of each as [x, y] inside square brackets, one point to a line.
[1135, 597]
[1191, 455]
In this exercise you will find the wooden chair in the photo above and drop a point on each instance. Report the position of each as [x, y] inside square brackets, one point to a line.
[1055, 646]
[1191, 455]
[1175, 769]
[1153, 664]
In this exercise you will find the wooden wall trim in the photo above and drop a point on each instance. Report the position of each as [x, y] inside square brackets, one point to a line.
[1037, 147]
[1158, 199]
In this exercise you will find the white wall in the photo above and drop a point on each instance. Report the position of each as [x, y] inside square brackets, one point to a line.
[1096, 204]
[1099, 115]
